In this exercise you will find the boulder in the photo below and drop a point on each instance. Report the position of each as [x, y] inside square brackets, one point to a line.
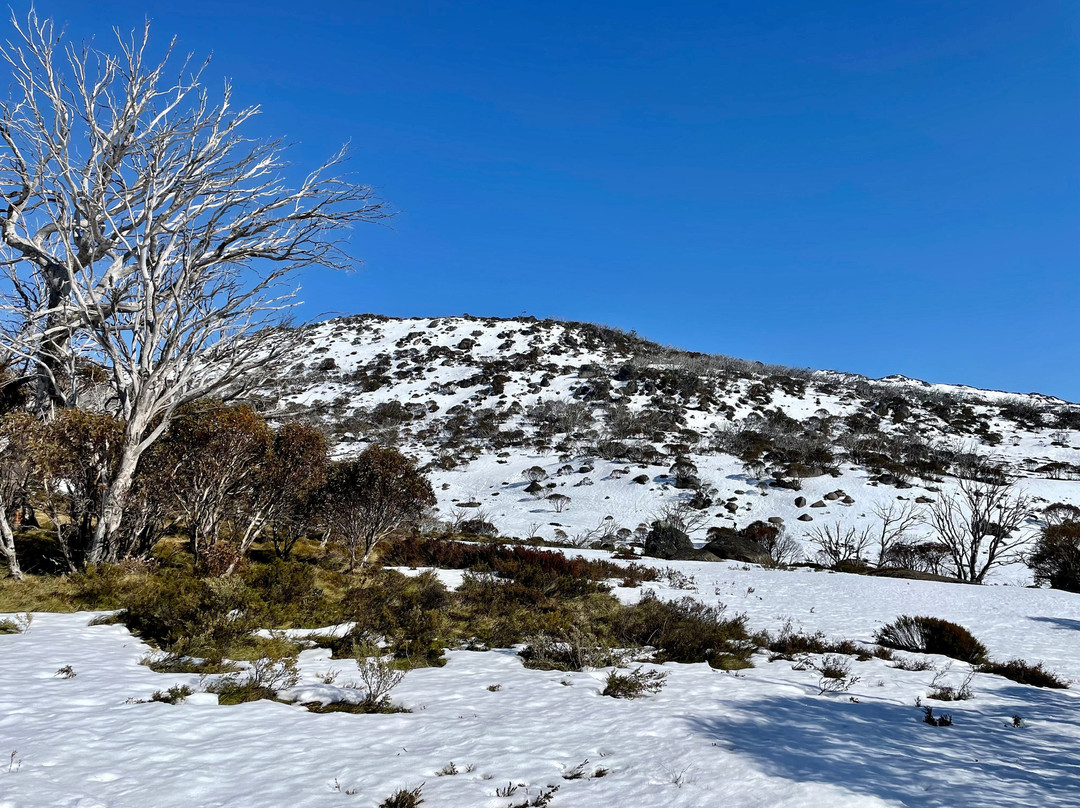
[806, 518]
[667, 542]
[800, 502]
[738, 548]
[478, 527]
[818, 504]
[776, 520]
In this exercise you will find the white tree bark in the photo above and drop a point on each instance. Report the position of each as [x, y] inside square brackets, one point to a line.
[143, 233]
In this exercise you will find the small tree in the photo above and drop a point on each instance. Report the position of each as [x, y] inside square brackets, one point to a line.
[1056, 558]
[841, 545]
[559, 502]
[283, 491]
[212, 456]
[534, 474]
[76, 455]
[897, 520]
[371, 497]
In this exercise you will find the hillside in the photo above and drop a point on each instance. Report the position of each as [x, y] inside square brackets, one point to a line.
[624, 427]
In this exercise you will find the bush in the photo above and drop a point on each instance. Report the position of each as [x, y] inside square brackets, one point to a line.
[174, 695]
[570, 650]
[931, 635]
[635, 684]
[262, 680]
[204, 617]
[408, 612]
[686, 631]
[943, 720]
[403, 799]
[1025, 673]
[1056, 558]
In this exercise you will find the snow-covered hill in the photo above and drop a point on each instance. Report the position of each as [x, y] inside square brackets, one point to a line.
[606, 414]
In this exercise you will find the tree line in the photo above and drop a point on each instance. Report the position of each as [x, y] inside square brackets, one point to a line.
[219, 476]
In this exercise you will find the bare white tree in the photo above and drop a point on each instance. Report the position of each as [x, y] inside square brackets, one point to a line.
[981, 524]
[145, 236]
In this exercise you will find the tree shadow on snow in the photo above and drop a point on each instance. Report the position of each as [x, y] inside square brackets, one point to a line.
[1058, 622]
[885, 750]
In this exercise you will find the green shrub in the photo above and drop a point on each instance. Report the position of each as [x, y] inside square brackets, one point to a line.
[206, 616]
[403, 799]
[635, 684]
[1025, 673]
[684, 631]
[932, 635]
[174, 695]
[262, 680]
[408, 611]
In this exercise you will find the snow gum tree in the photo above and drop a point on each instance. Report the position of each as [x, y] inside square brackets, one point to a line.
[141, 230]
[371, 497]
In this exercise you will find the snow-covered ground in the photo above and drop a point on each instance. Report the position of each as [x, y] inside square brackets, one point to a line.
[444, 371]
[757, 737]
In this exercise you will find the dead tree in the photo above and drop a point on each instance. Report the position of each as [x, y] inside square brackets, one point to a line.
[897, 521]
[144, 233]
[981, 524]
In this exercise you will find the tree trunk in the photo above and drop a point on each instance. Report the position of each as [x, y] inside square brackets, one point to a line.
[105, 543]
[7, 547]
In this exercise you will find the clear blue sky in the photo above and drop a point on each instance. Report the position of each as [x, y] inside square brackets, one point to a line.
[879, 187]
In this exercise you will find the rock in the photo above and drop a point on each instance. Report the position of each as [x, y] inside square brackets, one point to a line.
[806, 518]
[924, 500]
[731, 545]
[731, 507]
[818, 504]
[847, 500]
[800, 502]
[776, 520]
[831, 496]
[667, 542]
[478, 527]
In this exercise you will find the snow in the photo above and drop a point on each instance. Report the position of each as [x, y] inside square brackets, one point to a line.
[757, 737]
[496, 483]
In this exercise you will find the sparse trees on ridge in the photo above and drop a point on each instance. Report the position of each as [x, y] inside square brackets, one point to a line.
[140, 228]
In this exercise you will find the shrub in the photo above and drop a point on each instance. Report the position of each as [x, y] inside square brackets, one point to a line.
[378, 678]
[932, 635]
[634, 684]
[1025, 673]
[1056, 558]
[19, 624]
[404, 799]
[204, 616]
[407, 612]
[943, 720]
[262, 680]
[685, 630]
[789, 644]
[570, 650]
[174, 695]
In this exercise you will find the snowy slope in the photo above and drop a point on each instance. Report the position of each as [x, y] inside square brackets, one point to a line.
[459, 394]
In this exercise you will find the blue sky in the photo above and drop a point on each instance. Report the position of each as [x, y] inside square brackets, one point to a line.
[886, 187]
